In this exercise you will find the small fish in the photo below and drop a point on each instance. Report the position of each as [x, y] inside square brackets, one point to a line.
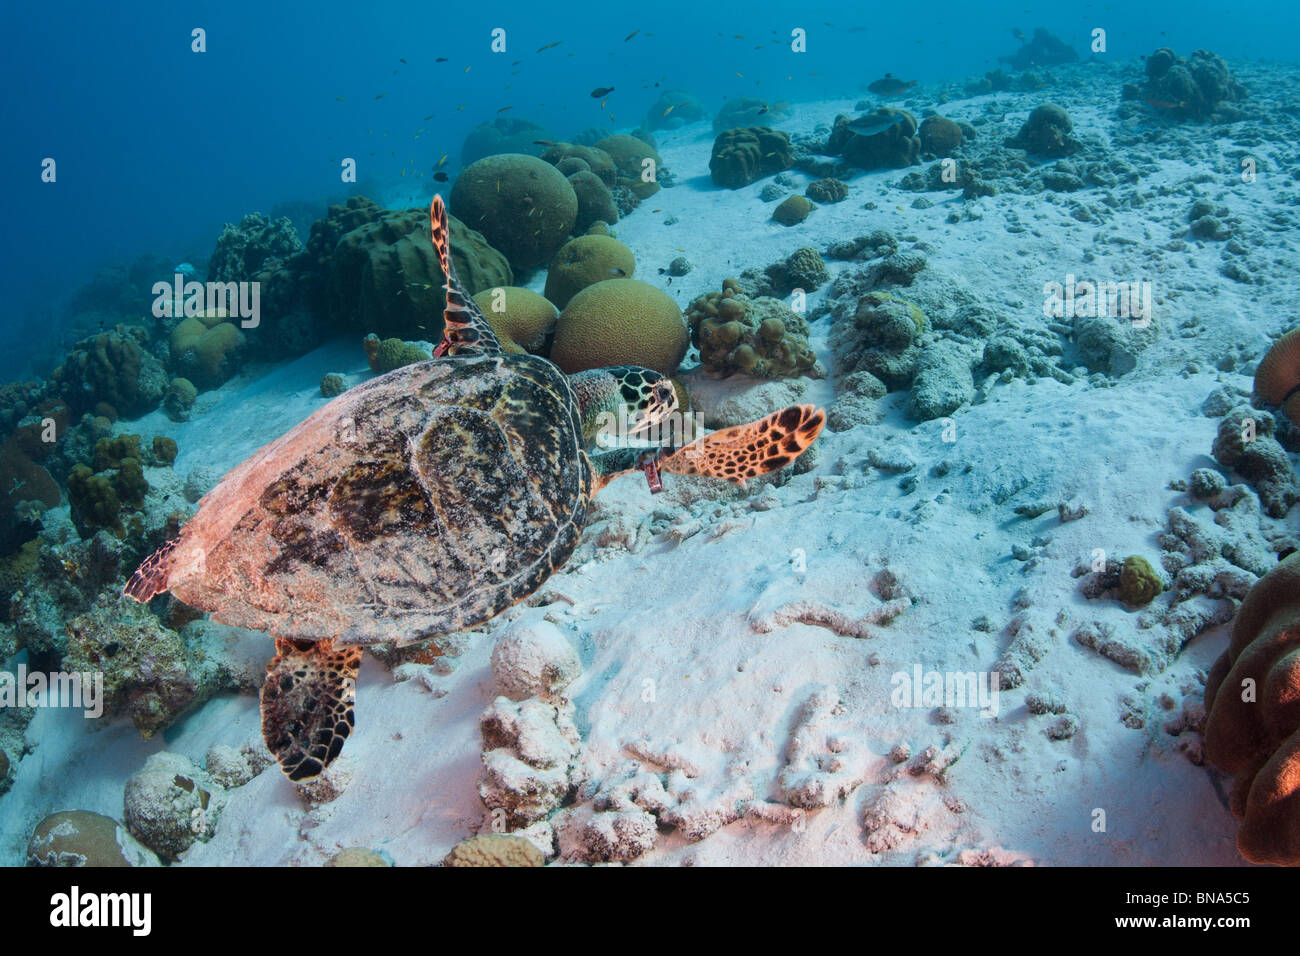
[516, 63]
[669, 110]
[1018, 33]
[441, 59]
[401, 59]
[889, 85]
[602, 103]
[380, 96]
[504, 108]
[461, 107]
[340, 98]
[430, 116]
[1166, 105]
[600, 91]
[467, 69]
[443, 160]
[549, 45]
[739, 74]
[630, 35]
[656, 210]
[441, 176]
[763, 110]
[738, 36]
[403, 173]
[542, 142]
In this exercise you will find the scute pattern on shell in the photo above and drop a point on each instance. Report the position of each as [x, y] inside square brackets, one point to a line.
[422, 502]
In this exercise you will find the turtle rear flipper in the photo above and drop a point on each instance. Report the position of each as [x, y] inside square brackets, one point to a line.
[465, 330]
[747, 451]
[307, 704]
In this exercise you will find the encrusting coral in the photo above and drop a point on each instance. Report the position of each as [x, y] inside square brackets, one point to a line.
[1252, 731]
[1191, 88]
[494, 849]
[78, 838]
[620, 322]
[242, 250]
[762, 337]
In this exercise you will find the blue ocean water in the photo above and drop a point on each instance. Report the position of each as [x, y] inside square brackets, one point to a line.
[157, 146]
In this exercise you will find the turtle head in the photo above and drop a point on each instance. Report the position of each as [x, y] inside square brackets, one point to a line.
[622, 400]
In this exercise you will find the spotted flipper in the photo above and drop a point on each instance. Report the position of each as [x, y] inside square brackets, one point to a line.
[465, 330]
[732, 454]
[749, 450]
[307, 703]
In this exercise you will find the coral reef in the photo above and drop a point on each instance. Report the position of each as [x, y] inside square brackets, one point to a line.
[522, 320]
[1190, 88]
[761, 337]
[204, 349]
[1046, 133]
[494, 849]
[792, 211]
[528, 750]
[620, 322]
[1139, 584]
[802, 269]
[113, 367]
[1246, 444]
[78, 838]
[939, 135]
[1253, 726]
[523, 206]
[504, 134]
[170, 804]
[179, 399]
[332, 385]
[242, 250]
[885, 138]
[585, 261]
[747, 154]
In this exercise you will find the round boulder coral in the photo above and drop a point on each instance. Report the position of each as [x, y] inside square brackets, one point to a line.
[179, 399]
[504, 134]
[620, 322]
[595, 201]
[1139, 584]
[394, 353]
[939, 135]
[585, 261]
[792, 211]
[637, 162]
[78, 838]
[534, 659]
[522, 205]
[1046, 133]
[521, 318]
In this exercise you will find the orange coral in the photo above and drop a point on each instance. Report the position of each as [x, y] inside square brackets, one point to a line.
[1252, 697]
[1277, 380]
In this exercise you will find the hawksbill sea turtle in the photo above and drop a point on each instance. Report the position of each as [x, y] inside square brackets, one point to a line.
[421, 502]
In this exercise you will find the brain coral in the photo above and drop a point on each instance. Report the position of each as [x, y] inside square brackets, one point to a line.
[494, 849]
[894, 144]
[762, 337]
[522, 205]
[204, 349]
[521, 318]
[585, 261]
[939, 135]
[1277, 379]
[826, 191]
[746, 154]
[630, 155]
[180, 399]
[79, 838]
[792, 211]
[570, 158]
[1252, 731]
[620, 322]
[394, 354]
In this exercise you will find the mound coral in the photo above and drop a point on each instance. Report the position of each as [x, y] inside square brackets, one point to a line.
[78, 838]
[1252, 731]
[761, 337]
[802, 269]
[1245, 443]
[522, 205]
[826, 191]
[637, 162]
[939, 135]
[522, 319]
[331, 385]
[747, 111]
[242, 250]
[505, 134]
[1046, 133]
[179, 399]
[390, 354]
[885, 138]
[881, 337]
[1277, 379]
[792, 211]
[620, 322]
[113, 367]
[378, 270]
[1139, 584]
[494, 849]
[569, 158]
[170, 804]
[1191, 88]
[204, 349]
[595, 201]
[746, 154]
[585, 261]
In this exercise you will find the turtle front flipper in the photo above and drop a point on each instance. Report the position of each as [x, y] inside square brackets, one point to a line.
[307, 702]
[465, 329]
[747, 451]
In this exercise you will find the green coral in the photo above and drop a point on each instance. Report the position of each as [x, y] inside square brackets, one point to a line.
[792, 211]
[584, 261]
[630, 155]
[109, 452]
[116, 483]
[179, 399]
[331, 385]
[1139, 584]
[522, 205]
[394, 353]
[745, 155]
[94, 501]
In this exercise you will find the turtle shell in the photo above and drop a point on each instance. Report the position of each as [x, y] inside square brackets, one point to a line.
[421, 502]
